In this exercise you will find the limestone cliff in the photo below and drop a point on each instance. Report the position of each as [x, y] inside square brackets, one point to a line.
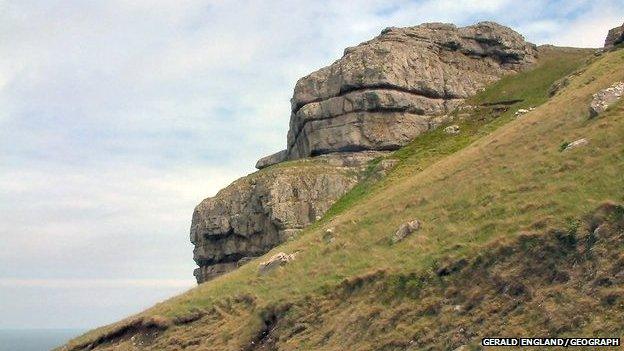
[614, 37]
[383, 92]
[377, 97]
[258, 212]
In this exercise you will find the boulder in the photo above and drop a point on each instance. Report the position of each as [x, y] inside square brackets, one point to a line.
[384, 92]
[260, 211]
[271, 159]
[576, 143]
[274, 262]
[605, 98]
[614, 37]
[453, 129]
[405, 230]
[558, 85]
[328, 236]
[520, 112]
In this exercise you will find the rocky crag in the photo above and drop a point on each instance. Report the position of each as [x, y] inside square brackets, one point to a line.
[376, 98]
[257, 212]
[384, 92]
[614, 37]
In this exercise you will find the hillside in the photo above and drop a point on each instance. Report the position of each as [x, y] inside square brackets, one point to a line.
[519, 236]
[376, 98]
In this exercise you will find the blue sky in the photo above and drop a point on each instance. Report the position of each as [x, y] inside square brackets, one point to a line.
[118, 117]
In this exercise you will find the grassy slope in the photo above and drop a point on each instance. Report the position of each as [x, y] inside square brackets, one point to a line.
[490, 183]
[530, 87]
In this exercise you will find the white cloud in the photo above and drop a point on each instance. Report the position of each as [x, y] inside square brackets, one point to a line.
[589, 31]
[81, 221]
[97, 283]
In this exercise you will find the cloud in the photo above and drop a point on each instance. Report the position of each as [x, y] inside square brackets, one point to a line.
[80, 221]
[118, 117]
[76, 307]
[96, 283]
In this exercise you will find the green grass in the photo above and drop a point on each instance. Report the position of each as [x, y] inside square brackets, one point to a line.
[434, 145]
[555, 63]
[499, 180]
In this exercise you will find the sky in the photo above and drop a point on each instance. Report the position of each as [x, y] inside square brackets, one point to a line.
[118, 117]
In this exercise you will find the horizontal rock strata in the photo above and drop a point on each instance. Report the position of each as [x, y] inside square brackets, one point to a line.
[383, 93]
[375, 99]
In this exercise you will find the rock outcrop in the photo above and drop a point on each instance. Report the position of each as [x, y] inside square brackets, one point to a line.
[260, 211]
[376, 98]
[614, 37]
[452, 129]
[274, 262]
[405, 230]
[383, 93]
[272, 159]
[576, 144]
[605, 98]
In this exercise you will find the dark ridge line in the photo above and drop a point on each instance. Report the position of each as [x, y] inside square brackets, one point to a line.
[131, 328]
[135, 327]
[503, 102]
[226, 259]
[385, 86]
[354, 148]
[233, 258]
[373, 110]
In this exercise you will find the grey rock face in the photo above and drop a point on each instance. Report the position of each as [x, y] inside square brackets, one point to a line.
[271, 159]
[358, 131]
[605, 98]
[614, 37]
[209, 272]
[262, 210]
[376, 98]
[384, 92]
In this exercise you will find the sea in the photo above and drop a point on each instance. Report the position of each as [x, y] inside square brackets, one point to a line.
[35, 339]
